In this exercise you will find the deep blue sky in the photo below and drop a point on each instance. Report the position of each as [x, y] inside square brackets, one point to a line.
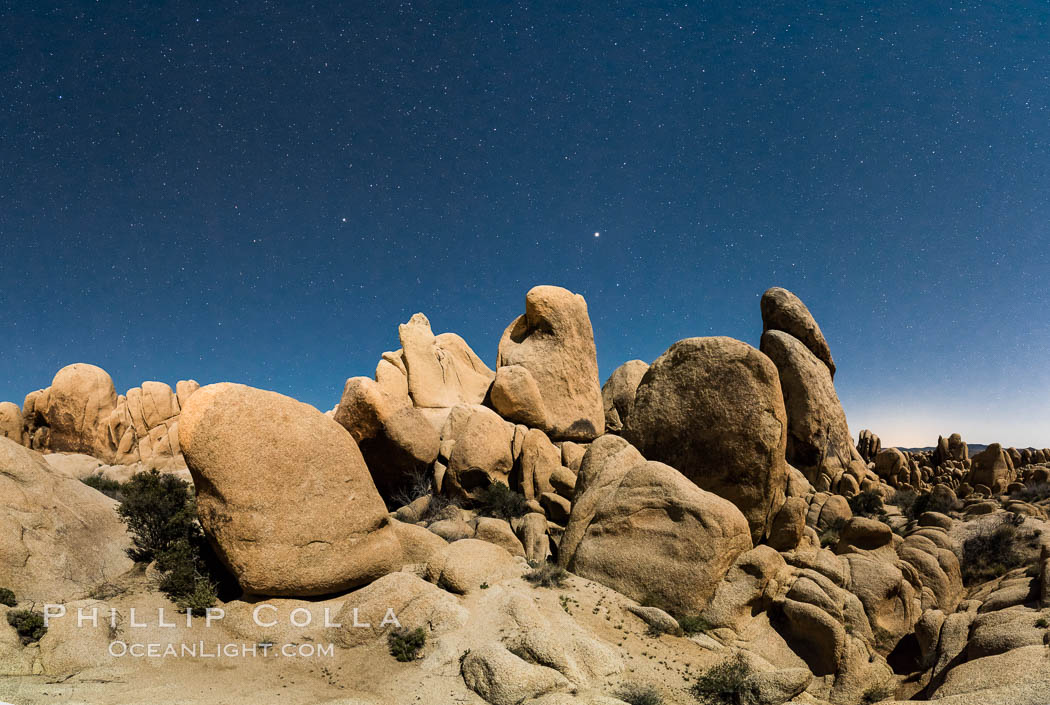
[262, 192]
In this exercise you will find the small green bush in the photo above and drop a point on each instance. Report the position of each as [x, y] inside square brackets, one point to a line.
[158, 512]
[501, 502]
[867, 504]
[108, 487]
[875, 694]
[405, 644]
[1042, 623]
[547, 575]
[913, 505]
[829, 536]
[200, 598]
[694, 624]
[996, 549]
[7, 597]
[722, 684]
[637, 694]
[28, 624]
[161, 516]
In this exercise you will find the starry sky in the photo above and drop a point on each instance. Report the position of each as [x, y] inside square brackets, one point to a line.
[261, 192]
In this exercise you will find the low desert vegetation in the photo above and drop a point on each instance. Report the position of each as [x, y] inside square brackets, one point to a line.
[416, 484]
[501, 502]
[692, 624]
[913, 505]
[405, 644]
[876, 693]
[868, 505]
[997, 548]
[161, 516]
[1033, 493]
[829, 536]
[723, 684]
[638, 694]
[546, 575]
[105, 485]
[7, 597]
[28, 624]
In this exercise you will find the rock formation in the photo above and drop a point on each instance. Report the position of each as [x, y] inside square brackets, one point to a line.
[712, 409]
[554, 345]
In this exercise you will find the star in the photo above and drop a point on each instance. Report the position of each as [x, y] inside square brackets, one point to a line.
[597, 234]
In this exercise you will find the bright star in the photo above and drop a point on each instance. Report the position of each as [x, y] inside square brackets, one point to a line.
[597, 234]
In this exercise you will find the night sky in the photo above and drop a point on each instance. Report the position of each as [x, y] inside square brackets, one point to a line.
[262, 192]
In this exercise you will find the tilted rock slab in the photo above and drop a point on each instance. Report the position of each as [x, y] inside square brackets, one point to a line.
[284, 494]
[818, 439]
[783, 311]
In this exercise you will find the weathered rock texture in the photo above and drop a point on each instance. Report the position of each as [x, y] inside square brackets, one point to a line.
[284, 494]
[554, 344]
[712, 409]
[783, 311]
[58, 537]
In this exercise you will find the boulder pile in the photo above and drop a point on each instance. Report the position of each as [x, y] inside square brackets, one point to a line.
[708, 507]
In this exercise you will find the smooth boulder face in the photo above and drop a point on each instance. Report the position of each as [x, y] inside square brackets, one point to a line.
[475, 451]
[81, 399]
[396, 440]
[283, 493]
[11, 425]
[783, 311]
[619, 391]
[712, 409]
[554, 343]
[58, 537]
[992, 468]
[643, 529]
[818, 439]
[442, 370]
[516, 397]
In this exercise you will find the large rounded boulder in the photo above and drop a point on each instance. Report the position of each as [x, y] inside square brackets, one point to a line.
[641, 528]
[554, 344]
[283, 493]
[618, 393]
[712, 409]
[81, 399]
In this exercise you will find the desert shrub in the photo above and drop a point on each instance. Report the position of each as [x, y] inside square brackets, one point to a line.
[867, 504]
[28, 624]
[416, 484]
[694, 624]
[995, 549]
[722, 684]
[1033, 493]
[913, 504]
[405, 644]
[547, 575]
[637, 694]
[161, 516]
[1042, 623]
[829, 536]
[7, 597]
[499, 501]
[108, 487]
[158, 512]
[875, 694]
[438, 508]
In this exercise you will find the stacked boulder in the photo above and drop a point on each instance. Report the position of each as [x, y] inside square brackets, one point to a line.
[82, 413]
[819, 442]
